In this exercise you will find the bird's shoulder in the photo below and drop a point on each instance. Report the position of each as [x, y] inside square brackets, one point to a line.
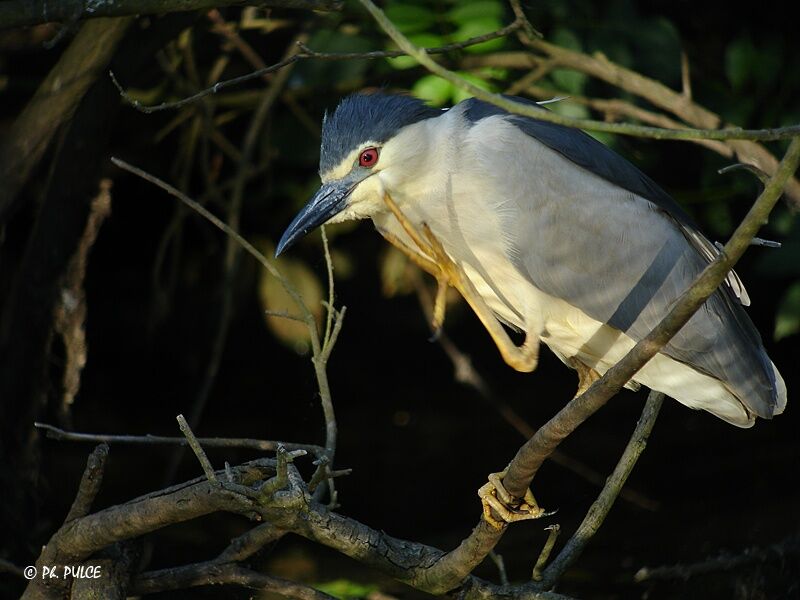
[581, 149]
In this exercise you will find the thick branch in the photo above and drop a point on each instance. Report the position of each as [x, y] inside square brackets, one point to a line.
[81, 537]
[20, 13]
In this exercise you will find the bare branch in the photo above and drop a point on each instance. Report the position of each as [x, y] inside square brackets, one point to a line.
[601, 507]
[248, 247]
[659, 95]
[615, 108]
[422, 57]
[247, 544]
[305, 53]
[90, 484]
[197, 449]
[530, 456]
[544, 555]
[212, 442]
[23, 13]
[521, 18]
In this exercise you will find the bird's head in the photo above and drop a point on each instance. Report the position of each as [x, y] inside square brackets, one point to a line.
[369, 144]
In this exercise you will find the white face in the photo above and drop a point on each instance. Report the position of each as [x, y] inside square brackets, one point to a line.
[399, 159]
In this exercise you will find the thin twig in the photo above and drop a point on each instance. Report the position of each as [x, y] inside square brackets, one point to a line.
[305, 53]
[249, 248]
[516, 6]
[246, 545]
[197, 449]
[90, 484]
[513, 106]
[329, 307]
[282, 314]
[600, 508]
[544, 555]
[209, 442]
[319, 358]
[615, 108]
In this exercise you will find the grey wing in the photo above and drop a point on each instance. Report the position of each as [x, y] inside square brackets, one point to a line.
[623, 259]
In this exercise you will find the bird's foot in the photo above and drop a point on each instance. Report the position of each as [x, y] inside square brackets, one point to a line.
[497, 501]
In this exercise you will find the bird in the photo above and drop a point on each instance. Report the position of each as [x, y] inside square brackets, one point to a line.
[547, 231]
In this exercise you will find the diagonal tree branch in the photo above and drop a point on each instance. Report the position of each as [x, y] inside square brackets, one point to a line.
[731, 133]
[601, 507]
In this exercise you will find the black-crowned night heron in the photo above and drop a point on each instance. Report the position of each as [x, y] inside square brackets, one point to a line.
[545, 229]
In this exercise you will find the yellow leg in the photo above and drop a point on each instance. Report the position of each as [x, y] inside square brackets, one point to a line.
[586, 376]
[438, 263]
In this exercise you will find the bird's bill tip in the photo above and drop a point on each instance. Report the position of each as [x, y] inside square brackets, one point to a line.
[327, 202]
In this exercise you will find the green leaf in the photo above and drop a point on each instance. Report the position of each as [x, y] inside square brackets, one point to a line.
[787, 321]
[346, 589]
[568, 109]
[409, 18]
[476, 28]
[434, 89]
[459, 94]
[476, 11]
[567, 39]
[568, 80]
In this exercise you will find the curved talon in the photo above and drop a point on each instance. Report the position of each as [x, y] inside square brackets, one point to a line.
[495, 497]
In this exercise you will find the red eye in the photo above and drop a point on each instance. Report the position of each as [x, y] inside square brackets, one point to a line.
[368, 157]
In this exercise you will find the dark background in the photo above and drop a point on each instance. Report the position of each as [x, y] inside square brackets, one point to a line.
[419, 444]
